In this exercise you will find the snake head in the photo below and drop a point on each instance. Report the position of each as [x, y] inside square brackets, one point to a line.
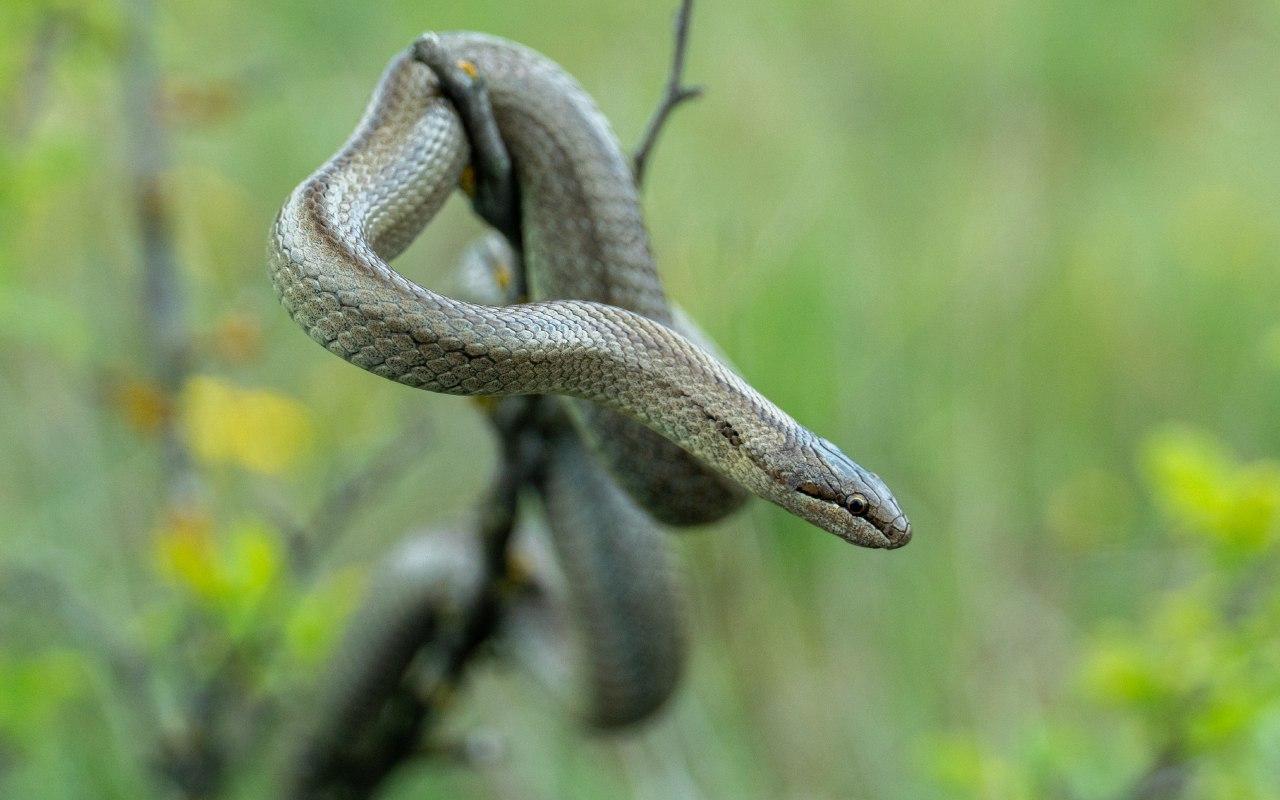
[837, 495]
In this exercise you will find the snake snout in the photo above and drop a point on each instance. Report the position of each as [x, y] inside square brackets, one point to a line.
[898, 532]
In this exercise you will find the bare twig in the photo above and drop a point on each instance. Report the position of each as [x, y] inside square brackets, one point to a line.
[194, 763]
[675, 94]
[309, 540]
[497, 197]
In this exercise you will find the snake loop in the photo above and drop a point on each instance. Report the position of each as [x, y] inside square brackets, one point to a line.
[598, 330]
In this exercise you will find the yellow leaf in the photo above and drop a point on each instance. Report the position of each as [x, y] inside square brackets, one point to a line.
[1250, 520]
[968, 770]
[258, 430]
[1221, 717]
[204, 103]
[187, 554]
[1190, 475]
[232, 574]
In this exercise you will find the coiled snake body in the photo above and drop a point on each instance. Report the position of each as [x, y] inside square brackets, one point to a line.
[680, 431]
[582, 228]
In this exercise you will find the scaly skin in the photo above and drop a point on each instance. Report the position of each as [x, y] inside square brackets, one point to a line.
[620, 582]
[628, 647]
[581, 228]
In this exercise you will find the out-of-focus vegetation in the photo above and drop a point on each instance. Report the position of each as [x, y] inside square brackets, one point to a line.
[1020, 258]
[1182, 697]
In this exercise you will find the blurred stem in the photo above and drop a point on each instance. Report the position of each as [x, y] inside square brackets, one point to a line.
[191, 759]
[164, 311]
[1166, 779]
[31, 89]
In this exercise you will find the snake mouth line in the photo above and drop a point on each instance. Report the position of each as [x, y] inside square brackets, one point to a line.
[817, 492]
[891, 536]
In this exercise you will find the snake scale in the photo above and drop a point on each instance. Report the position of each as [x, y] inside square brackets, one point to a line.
[682, 433]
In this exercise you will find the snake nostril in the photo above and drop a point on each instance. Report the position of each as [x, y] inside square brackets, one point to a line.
[898, 532]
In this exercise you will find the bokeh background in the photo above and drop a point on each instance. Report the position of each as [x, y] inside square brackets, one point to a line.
[1021, 258]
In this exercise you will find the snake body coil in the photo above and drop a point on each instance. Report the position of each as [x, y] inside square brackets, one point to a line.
[582, 237]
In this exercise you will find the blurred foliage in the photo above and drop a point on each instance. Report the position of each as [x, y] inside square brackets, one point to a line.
[1184, 699]
[989, 248]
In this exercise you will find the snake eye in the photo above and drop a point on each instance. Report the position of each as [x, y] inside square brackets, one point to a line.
[857, 505]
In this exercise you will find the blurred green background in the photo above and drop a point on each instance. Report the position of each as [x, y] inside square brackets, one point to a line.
[1020, 258]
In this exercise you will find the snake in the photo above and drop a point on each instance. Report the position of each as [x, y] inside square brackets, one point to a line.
[653, 420]
[596, 328]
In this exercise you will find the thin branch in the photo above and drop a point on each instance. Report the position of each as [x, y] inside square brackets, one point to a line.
[308, 541]
[195, 766]
[497, 196]
[376, 714]
[675, 94]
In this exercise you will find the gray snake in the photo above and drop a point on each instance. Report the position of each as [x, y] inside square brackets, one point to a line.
[583, 236]
[679, 430]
